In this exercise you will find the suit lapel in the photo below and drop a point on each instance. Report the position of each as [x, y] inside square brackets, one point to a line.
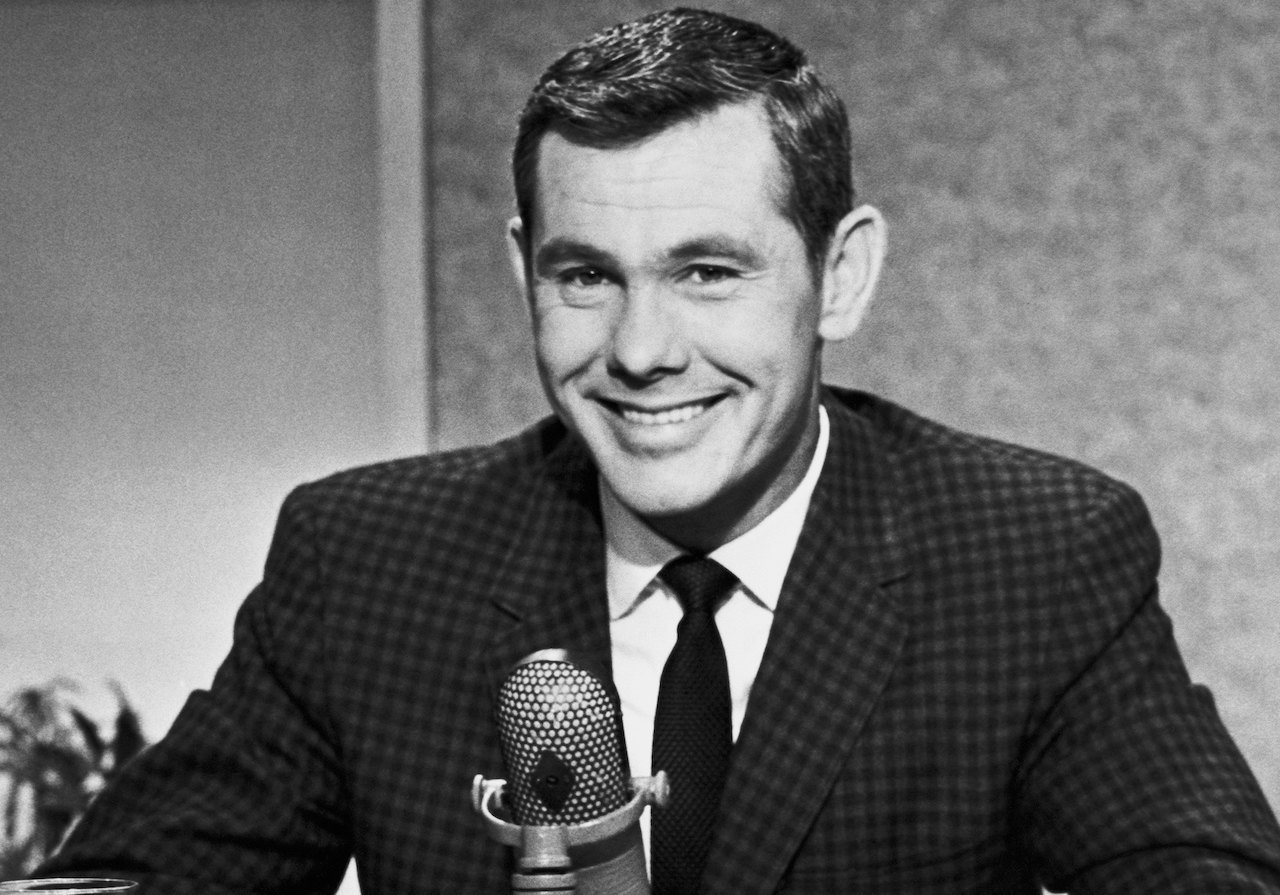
[550, 590]
[834, 642]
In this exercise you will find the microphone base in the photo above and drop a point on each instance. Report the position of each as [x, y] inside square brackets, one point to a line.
[624, 873]
[602, 857]
[544, 883]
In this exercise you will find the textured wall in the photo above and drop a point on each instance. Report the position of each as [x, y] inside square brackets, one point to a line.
[1085, 254]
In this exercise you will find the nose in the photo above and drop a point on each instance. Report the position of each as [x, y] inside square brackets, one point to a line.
[648, 339]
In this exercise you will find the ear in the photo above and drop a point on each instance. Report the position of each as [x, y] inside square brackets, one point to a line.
[850, 272]
[517, 247]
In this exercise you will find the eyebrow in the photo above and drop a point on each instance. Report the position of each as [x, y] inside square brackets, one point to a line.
[716, 246]
[561, 251]
[564, 250]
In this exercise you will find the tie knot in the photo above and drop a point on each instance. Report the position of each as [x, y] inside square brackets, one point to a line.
[700, 584]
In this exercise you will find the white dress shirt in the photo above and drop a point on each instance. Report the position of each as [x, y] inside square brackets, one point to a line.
[643, 612]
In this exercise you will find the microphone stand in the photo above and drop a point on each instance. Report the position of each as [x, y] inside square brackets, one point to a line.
[544, 865]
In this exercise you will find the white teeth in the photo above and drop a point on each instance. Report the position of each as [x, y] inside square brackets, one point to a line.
[662, 417]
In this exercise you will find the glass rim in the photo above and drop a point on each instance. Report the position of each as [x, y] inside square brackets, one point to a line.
[69, 885]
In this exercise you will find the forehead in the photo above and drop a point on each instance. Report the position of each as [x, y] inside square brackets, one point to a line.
[719, 170]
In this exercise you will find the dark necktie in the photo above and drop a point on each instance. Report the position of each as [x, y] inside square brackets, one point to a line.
[692, 727]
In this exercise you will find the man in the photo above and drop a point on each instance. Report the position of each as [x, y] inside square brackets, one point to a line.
[946, 667]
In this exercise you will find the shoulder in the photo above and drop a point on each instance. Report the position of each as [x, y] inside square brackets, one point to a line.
[983, 501]
[930, 458]
[1025, 552]
[452, 491]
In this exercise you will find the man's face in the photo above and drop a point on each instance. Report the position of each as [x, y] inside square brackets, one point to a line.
[677, 320]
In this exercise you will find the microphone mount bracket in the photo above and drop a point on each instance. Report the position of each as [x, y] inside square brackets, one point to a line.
[544, 863]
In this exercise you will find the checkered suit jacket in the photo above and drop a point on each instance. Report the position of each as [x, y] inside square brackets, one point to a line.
[969, 687]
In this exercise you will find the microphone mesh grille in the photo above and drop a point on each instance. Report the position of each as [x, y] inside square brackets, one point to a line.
[557, 707]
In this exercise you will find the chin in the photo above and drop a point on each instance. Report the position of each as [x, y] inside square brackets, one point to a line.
[657, 496]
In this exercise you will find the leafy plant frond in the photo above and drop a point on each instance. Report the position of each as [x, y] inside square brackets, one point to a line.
[53, 760]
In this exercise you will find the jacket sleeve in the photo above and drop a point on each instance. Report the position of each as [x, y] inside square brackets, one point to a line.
[245, 793]
[1131, 783]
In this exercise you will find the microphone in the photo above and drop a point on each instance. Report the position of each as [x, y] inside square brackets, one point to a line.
[569, 805]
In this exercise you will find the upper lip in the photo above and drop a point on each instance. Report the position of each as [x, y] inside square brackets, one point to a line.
[656, 406]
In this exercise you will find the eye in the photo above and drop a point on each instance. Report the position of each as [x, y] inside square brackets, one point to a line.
[583, 277]
[709, 274]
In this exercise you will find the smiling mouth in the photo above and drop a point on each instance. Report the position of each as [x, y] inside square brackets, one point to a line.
[667, 416]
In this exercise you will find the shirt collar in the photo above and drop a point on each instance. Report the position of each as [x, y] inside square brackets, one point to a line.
[635, 553]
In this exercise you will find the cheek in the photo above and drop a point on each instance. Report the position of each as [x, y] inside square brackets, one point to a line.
[768, 345]
[567, 340]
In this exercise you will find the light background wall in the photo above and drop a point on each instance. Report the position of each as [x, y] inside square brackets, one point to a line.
[191, 323]
[208, 283]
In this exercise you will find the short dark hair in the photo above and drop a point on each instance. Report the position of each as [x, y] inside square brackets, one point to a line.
[638, 78]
